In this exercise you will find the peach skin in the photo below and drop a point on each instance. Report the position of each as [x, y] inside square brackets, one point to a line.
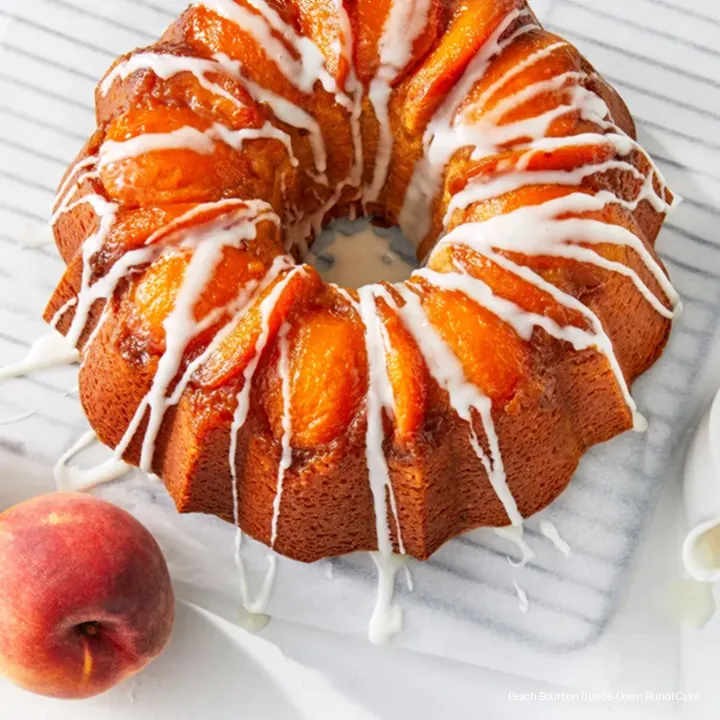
[86, 601]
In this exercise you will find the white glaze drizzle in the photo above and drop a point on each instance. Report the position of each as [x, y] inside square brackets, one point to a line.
[72, 179]
[515, 536]
[184, 138]
[534, 230]
[105, 286]
[285, 447]
[523, 602]
[283, 109]
[303, 72]
[439, 141]
[190, 138]
[207, 244]
[464, 396]
[478, 190]
[518, 68]
[72, 302]
[534, 126]
[379, 399]
[166, 66]
[387, 617]
[549, 530]
[403, 25]
[74, 479]
[63, 203]
[355, 110]
[51, 350]
[409, 582]
[254, 605]
[182, 221]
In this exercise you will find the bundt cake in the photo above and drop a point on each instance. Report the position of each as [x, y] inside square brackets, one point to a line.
[391, 417]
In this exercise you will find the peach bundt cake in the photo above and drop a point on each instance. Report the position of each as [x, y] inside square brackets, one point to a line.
[392, 417]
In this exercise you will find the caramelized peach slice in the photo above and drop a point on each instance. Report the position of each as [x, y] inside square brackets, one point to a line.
[408, 375]
[165, 174]
[517, 199]
[566, 274]
[328, 367]
[471, 26]
[502, 79]
[507, 285]
[325, 338]
[155, 119]
[155, 295]
[320, 21]
[493, 355]
[209, 33]
[228, 102]
[566, 158]
[238, 347]
[133, 228]
[370, 18]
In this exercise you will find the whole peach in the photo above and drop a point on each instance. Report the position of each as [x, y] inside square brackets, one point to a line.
[85, 595]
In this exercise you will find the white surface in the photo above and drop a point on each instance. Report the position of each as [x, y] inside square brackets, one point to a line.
[208, 670]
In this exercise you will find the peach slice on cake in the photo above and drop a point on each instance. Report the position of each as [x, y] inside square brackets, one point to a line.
[494, 357]
[407, 372]
[328, 376]
[370, 19]
[472, 24]
[320, 20]
[239, 346]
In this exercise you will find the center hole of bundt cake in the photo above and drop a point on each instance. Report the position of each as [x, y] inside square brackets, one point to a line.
[353, 253]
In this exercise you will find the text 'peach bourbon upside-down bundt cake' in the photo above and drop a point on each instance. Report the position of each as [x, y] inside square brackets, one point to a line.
[321, 419]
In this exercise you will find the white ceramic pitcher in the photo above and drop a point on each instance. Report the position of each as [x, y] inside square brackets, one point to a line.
[701, 549]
